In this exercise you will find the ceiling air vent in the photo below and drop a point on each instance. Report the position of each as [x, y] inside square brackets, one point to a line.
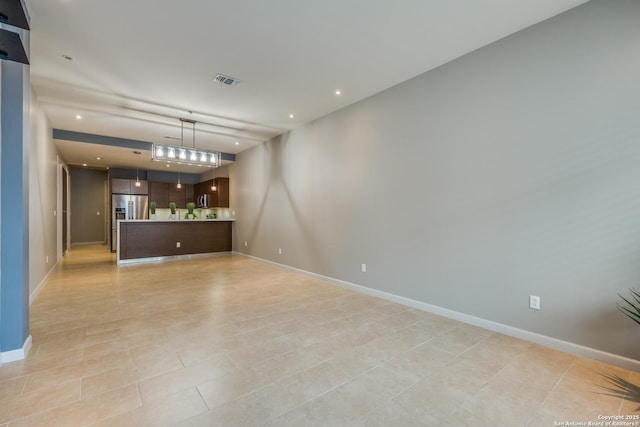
[227, 80]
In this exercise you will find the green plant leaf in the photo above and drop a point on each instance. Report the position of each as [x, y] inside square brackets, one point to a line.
[633, 311]
[630, 314]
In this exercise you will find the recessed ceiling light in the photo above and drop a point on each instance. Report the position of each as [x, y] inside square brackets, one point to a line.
[79, 117]
[84, 164]
[338, 92]
[291, 116]
[237, 143]
[168, 165]
[98, 158]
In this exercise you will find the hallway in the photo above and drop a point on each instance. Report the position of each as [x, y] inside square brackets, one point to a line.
[232, 341]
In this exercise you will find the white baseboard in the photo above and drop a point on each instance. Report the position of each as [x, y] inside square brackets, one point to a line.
[19, 354]
[566, 346]
[36, 291]
[87, 243]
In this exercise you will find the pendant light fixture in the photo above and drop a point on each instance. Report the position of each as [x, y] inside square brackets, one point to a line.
[181, 151]
[186, 155]
[138, 183]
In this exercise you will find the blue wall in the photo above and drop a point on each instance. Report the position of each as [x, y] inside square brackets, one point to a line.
[14, 218]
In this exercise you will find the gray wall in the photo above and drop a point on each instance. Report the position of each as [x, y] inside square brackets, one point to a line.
[511, 171]
[87, 199]
[43, 162]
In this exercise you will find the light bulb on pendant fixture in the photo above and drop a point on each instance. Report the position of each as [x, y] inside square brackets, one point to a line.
[138, 183]
[213, 187]
[179, 185]
[186, 155]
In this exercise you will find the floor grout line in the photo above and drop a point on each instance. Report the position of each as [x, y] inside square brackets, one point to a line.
[244, 307]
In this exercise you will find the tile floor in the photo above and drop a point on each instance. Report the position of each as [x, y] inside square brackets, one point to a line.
[231, 341]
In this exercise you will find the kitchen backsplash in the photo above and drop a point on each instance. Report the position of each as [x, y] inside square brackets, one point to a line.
[201, 213]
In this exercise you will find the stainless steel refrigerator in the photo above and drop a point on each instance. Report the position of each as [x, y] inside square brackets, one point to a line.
[126, 206]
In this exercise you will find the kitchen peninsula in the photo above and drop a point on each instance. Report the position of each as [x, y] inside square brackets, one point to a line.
[149, 240]
[138, 236]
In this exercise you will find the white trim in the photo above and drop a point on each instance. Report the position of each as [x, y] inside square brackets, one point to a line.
[101, 242]
[19, 354]
[40, 286]
[569, 347]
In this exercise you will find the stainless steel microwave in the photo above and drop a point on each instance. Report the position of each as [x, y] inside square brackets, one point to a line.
[203, 201]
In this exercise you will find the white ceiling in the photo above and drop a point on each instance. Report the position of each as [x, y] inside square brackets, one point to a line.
[139, 65]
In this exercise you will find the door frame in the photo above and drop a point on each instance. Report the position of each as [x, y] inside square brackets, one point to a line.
[62, 212]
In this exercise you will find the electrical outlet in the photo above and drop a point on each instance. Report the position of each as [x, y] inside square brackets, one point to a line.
[534, 302]
[280, 251]
[177, 244]
[245, 243]
[364, 268]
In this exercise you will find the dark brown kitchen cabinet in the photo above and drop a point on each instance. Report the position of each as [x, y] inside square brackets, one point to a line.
[203, 188]
[143, 189]
[128, 186]
[165, 192]
[177, 195]
[189, 193]
[218, 198]
[159, 193]
[120, 186]
[222, 192]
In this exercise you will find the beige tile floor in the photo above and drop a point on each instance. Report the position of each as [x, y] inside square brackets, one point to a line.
[231, 341]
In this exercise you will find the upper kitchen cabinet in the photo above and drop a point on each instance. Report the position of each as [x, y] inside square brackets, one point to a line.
[204, 188]
[128, 186]
[120, 186]
[159, 193]
[143, 189]
[163, 192]
[218, 198]
[189, 193]
[221, 199]
[177, 195]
